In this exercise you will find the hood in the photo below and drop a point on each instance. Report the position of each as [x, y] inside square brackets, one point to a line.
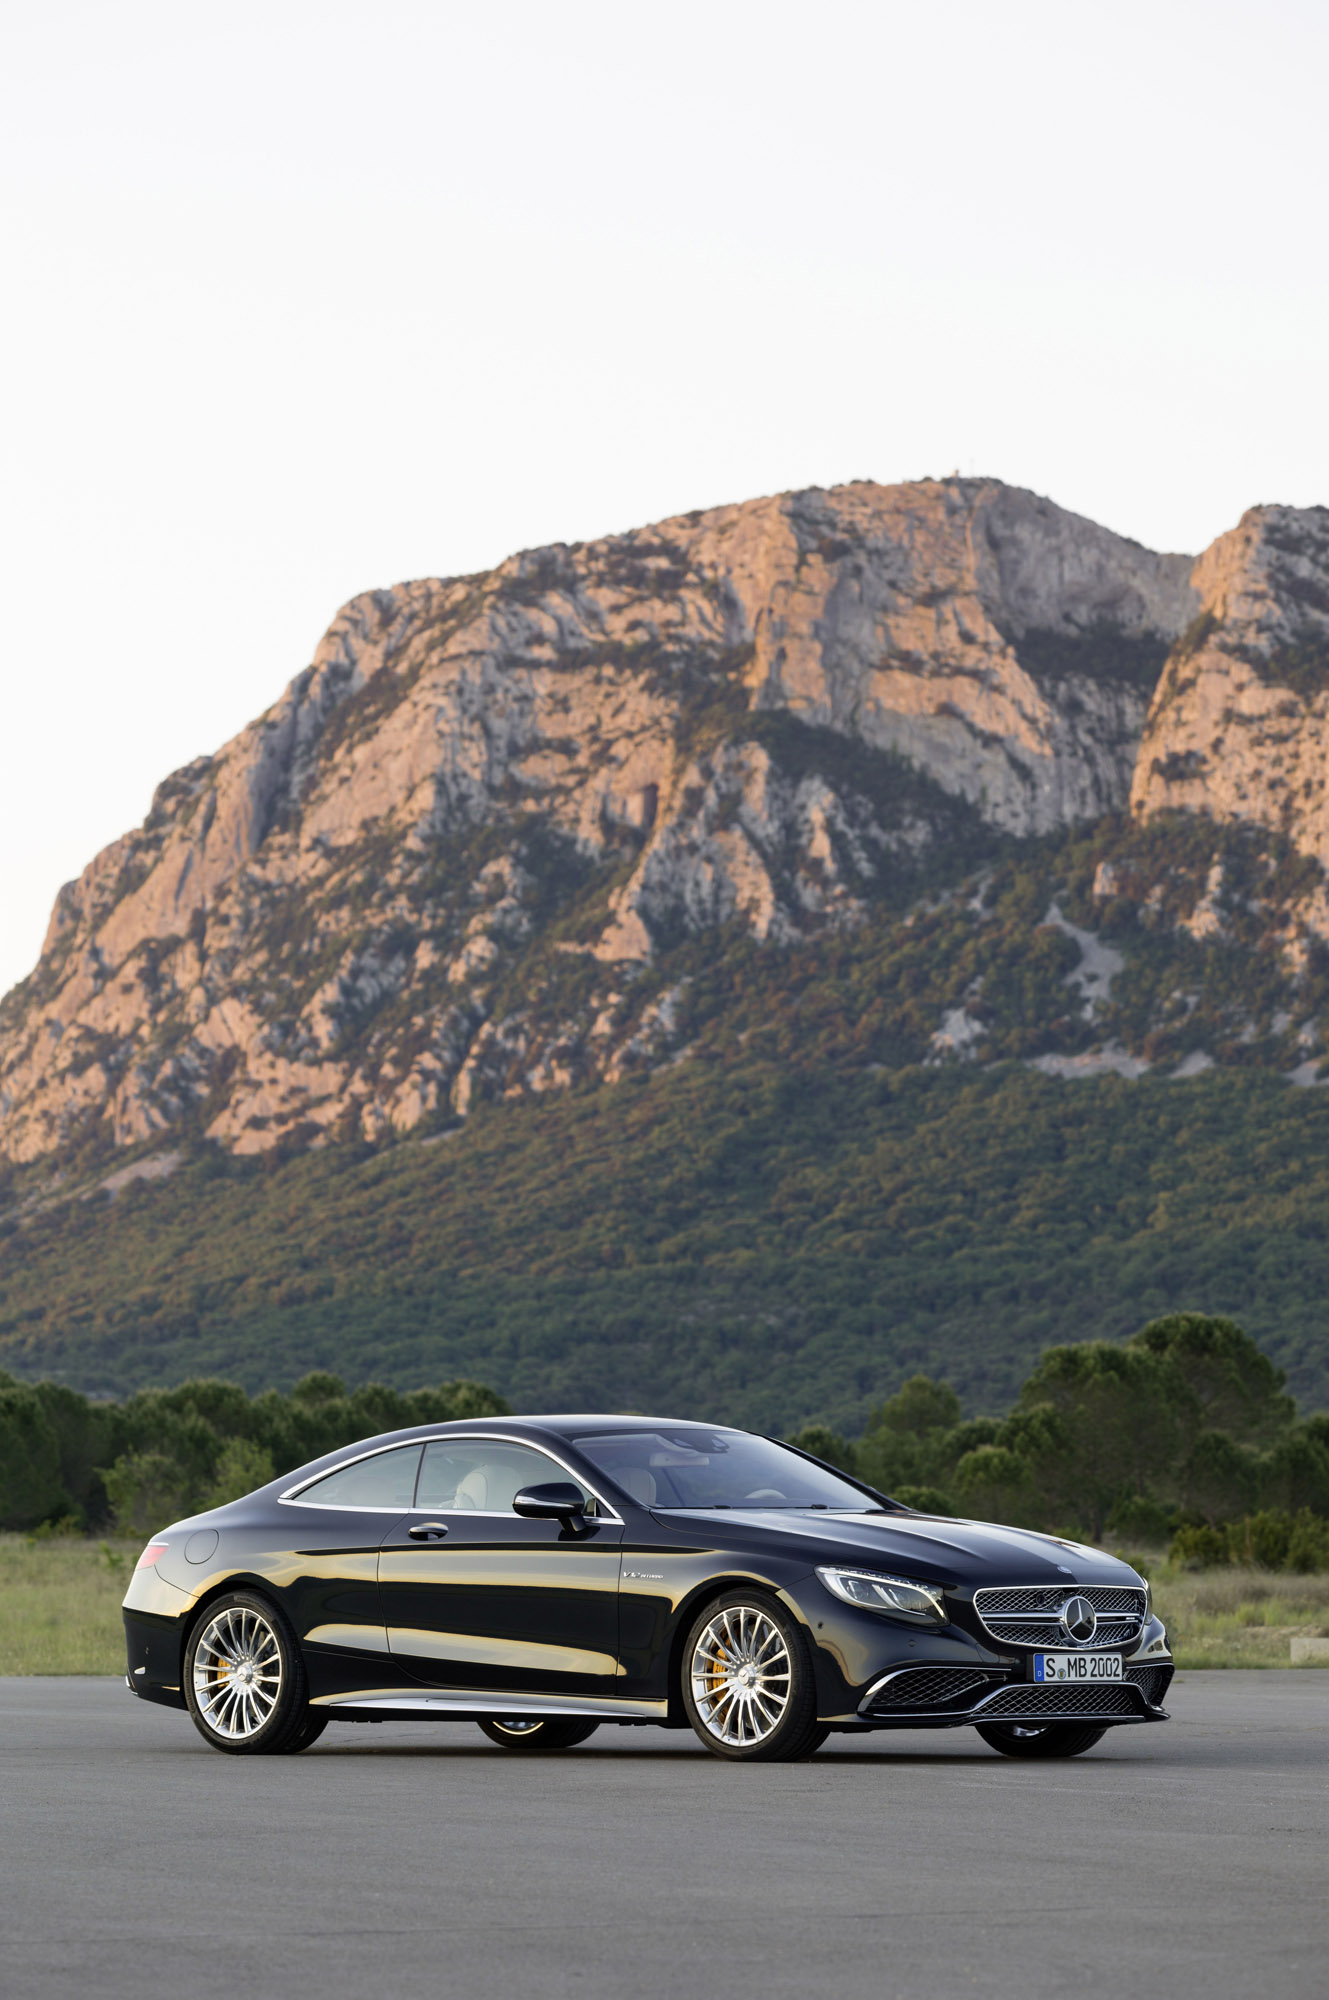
[939, 1550]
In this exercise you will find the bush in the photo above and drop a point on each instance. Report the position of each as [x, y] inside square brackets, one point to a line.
[927, 1499]
[1199, 1547]
[146, 1490]
[1143, 1520]
[1261, 1541]
[1269, 1540]
[993, 1483]
[242, 1468]
[31, 1489]
[1308, 1544]
[825, 1444]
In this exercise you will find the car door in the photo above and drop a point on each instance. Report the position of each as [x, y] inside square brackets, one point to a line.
[475, 1597]
[336, 1528]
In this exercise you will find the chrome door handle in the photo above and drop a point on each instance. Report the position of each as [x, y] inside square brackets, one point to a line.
[427, 1531]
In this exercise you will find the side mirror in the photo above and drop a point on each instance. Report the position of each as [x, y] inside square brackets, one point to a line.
[559, 1500]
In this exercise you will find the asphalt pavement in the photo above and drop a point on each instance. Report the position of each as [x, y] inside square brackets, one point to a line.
[1190, 1858]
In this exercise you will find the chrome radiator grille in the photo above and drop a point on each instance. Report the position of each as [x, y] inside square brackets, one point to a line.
[1029, 1614]
[1048, 1632]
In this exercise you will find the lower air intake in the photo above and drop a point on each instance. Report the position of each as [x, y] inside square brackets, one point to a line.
[1025, 1703]
[1151, 1681]
[928, 1687]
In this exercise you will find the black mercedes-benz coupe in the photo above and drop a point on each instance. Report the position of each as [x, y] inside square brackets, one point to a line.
[543, 1575]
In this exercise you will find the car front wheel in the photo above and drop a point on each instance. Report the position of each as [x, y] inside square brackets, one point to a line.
[245, 1682]
[1053, 1739]
[747, 1681]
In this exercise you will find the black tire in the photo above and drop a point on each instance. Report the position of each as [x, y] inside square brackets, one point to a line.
[531, 1734]
[244, 1680]
[770, 1719]
[1051, 1739]
[310, 1730]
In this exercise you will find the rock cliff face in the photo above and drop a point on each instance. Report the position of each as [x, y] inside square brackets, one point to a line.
[535, 778]
[1237, 728]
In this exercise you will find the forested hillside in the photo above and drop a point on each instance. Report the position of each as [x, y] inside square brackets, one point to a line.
[728, 967]
[767, 1244]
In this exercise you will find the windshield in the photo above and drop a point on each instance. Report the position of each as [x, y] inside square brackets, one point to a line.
[704, 1468]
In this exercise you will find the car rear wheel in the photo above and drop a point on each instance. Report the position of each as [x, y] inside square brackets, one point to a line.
[530, 1733]
[1051, 1739]
[245, 1682]
[747, 1681]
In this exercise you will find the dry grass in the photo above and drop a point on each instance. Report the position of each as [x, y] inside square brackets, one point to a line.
[60, 1604]
[1237, 1617]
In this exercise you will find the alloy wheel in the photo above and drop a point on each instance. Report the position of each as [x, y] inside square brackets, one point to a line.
[238, 1673]
[741, 1676]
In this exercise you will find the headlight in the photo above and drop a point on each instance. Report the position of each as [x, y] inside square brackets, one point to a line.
[896, 1594]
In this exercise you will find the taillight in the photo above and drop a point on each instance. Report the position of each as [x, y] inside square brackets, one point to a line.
[153, 1552]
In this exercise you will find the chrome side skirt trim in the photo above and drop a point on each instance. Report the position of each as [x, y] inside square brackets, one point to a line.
[492, 1701]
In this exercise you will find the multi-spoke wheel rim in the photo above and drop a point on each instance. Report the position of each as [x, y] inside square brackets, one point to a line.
[237, 1673]
[741, 1676]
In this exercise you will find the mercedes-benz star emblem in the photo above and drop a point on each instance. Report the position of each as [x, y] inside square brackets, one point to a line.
[1079, 1620]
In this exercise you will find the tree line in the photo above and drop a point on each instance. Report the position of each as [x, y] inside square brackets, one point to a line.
[68, 1462]
[1183, 1434]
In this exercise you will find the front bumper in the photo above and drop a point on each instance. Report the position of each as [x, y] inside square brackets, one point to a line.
[941, 1697]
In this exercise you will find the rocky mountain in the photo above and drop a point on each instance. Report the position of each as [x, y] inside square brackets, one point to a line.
[1237, 726]
[476, 848]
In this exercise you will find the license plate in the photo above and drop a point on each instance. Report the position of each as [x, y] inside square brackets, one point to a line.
[1078, 1667]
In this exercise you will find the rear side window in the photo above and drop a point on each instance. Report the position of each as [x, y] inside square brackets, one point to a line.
[386, 1482]
[481, 1475]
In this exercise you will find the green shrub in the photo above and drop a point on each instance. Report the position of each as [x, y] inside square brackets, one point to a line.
[1199, 1547]
[146, 1490]
[1308, 1544]
[1269, 1540]
[31, 1489]
[994, 1484]
[1143, 1520]
[242, 1467]
[927, 1499]
[826, 1444]
[1261, 1541]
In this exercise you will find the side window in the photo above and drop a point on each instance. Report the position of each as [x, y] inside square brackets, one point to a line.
[480, 1475]
[385, 1481]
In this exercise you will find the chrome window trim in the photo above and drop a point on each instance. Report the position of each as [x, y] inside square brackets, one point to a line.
[291, 1497]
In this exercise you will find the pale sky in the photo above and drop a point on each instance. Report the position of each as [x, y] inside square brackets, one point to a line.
[312, 295]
